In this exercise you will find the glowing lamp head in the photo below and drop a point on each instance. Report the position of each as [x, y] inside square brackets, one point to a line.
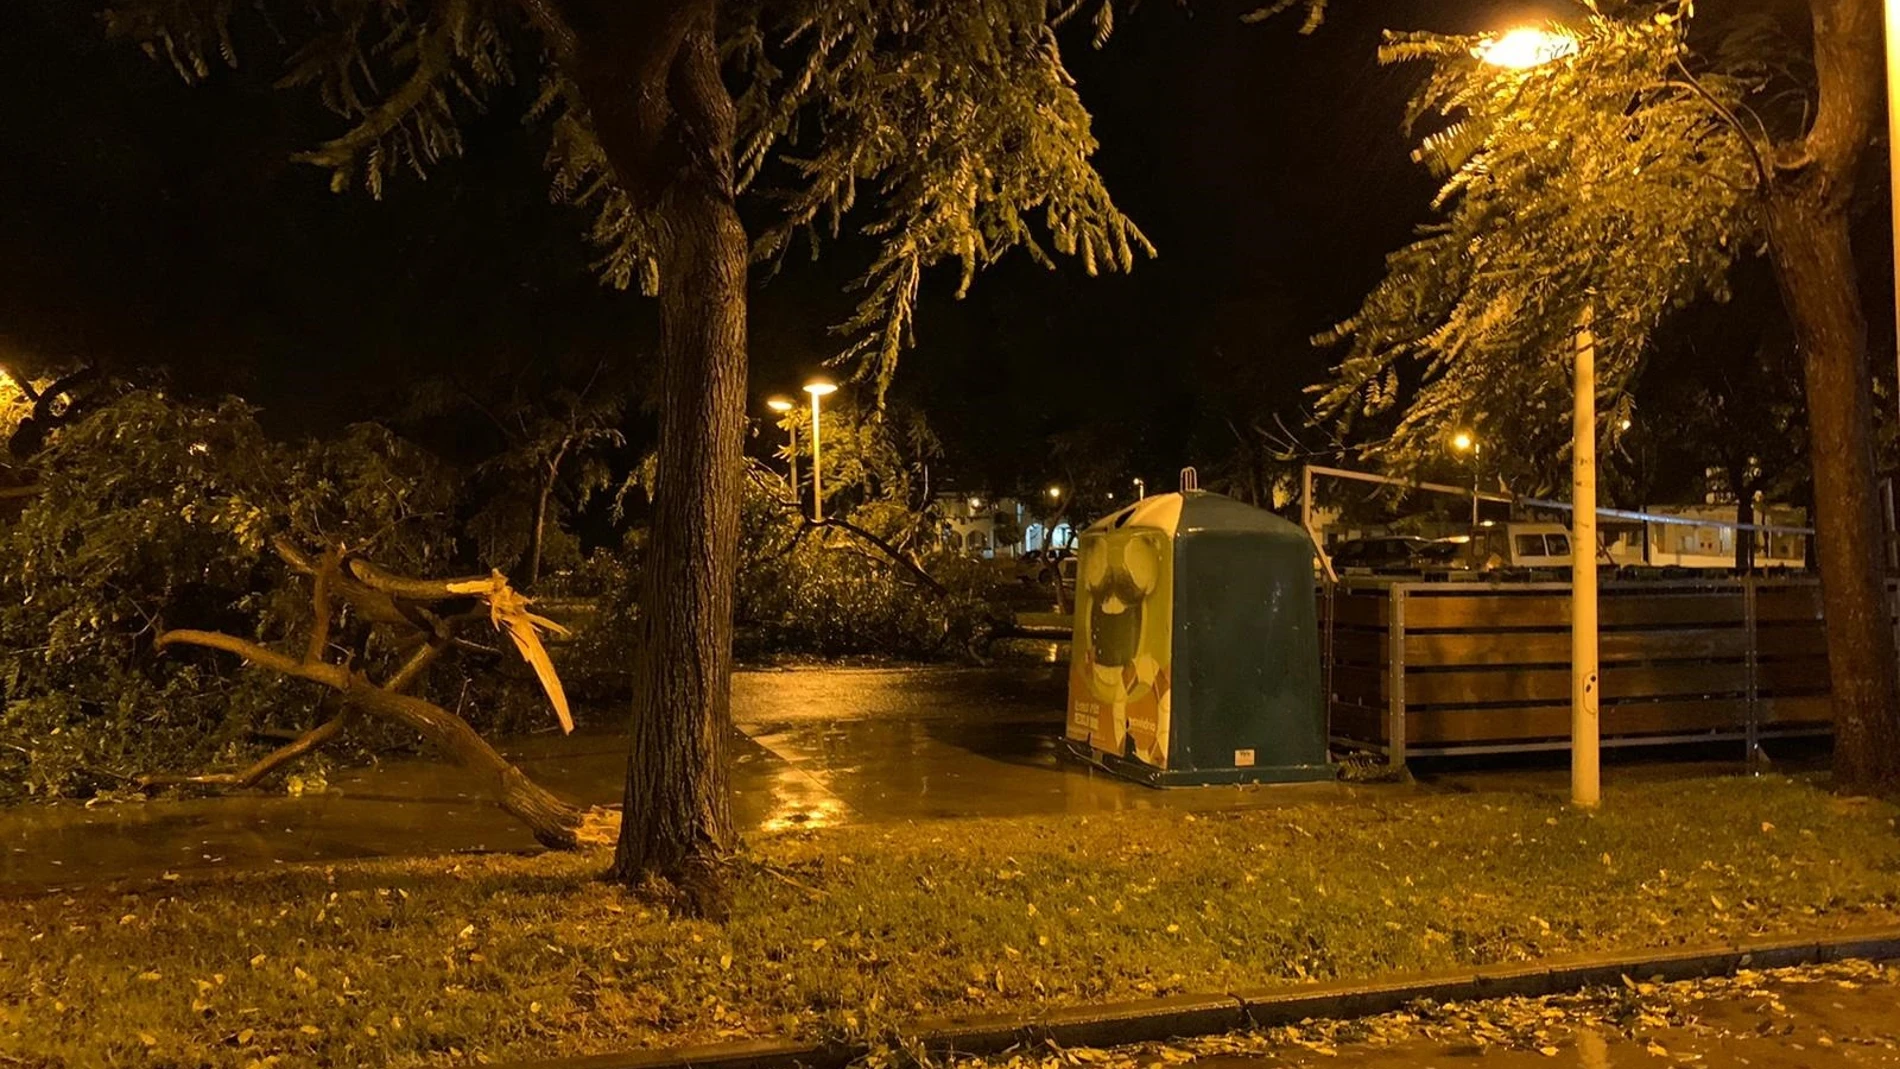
[1623, 424]
[1526, 47]
[1463, 441]
[779, 404]
[820, 388]
[1055, 493]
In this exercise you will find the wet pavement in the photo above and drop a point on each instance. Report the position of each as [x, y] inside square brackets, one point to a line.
[1819, 1024]
[814, 748]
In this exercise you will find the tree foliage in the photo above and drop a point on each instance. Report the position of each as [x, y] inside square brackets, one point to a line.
[153, 513]
[1613, 177]
[949, 133]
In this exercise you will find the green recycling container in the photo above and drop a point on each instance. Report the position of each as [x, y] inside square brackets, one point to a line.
[1196, 655]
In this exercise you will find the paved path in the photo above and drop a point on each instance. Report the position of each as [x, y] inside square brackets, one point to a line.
[1804, 1026]
[815, 748]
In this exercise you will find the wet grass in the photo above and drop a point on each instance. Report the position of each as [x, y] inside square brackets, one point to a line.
[848, 930]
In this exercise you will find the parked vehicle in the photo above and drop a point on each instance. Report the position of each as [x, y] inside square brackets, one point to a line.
[1394, 553]
[1520, 545]
[1043, 566]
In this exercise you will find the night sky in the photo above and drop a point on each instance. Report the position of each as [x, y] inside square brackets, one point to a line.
[144, 222]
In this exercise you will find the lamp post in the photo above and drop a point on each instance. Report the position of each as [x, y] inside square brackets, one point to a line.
[1523, 49]
[1467, 442]
[818, 388]
[1586, 786]
[1141, 490]
[783, 406]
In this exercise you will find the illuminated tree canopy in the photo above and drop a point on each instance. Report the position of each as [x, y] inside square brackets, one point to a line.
[1609, 177]
[953, 132]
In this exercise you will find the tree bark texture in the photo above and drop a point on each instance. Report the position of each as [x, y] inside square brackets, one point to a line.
[677, 817]
[1807, 209]
[650, 76]
[1817, 270]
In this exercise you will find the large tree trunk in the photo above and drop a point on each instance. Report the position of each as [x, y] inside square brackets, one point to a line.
[1814, 257]
[677, 821]
[1807, 205]
[649, 75]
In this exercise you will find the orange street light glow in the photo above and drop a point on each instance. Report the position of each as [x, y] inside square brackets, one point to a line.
[819, 388]
[1525, 47]
[779, 404]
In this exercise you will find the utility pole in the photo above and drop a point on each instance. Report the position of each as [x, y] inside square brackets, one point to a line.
[1585, 725]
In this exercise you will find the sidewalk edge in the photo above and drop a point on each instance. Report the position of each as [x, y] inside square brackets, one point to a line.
[1184, 1016]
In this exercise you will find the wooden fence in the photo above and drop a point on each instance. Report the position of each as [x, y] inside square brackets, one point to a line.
[1429, 668]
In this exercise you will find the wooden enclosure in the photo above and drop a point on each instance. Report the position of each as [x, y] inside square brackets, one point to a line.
[1428, 668]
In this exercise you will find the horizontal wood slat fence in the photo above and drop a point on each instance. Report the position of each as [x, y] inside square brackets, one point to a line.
[1432, 668]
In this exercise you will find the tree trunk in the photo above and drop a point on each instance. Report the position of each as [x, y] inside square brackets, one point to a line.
[537, 538]
[667, 123]
[1814, 260]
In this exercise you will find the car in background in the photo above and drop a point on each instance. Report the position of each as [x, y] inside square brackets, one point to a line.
[1041, 567]
[1519, 546]
[1395, 553]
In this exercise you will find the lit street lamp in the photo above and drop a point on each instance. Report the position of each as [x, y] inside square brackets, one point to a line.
[1466, 442]
[818, 388]
[783, 406]
[1522, 49]
[1141, 489]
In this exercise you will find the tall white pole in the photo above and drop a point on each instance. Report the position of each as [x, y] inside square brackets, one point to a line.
[1477, 459]
[1585, 775]
[817, 467]
[791, 427]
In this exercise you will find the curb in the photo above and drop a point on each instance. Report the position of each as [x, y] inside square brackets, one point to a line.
[1183, 1016]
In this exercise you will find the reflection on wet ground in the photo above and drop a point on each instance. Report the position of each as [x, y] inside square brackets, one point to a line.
[814, 748]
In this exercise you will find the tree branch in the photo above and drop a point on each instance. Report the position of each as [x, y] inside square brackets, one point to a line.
[887, 549]
[432, 61]
[320, 608]
[374, 605]
[263, 766]
[1734, 121]
[406, 587]
[327, 674]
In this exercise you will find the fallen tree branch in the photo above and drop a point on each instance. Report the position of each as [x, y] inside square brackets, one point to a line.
[263, 766]
[383, 598]
[889, 551]
[405, 587]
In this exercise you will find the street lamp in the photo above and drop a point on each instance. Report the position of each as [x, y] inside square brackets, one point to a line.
[783, 406]
[1141, 489]
[1466, 442]
[1522, 49]
[1526, 47]
[818, 388]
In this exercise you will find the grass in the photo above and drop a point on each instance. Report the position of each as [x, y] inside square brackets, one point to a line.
[852, 930]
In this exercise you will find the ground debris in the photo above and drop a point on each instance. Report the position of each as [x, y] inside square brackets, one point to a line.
[1633, 1011]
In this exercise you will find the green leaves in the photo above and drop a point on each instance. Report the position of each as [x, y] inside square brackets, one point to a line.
[946, 132]
[155, 512]
[964, 121]
[1609, 178]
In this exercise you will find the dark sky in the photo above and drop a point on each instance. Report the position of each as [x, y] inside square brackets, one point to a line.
[145, 222]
